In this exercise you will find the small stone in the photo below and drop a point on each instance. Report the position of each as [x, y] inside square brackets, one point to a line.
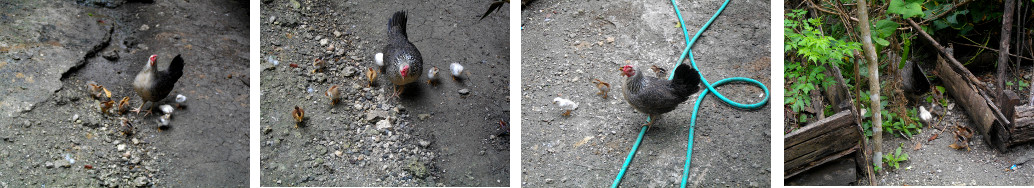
[49, 164]
[295, 4]
[549, 181]
[349, 71]
[121, 147]
[140, 181]
[136, 141]
[110, 55]
[610, 39]
[464, 91]
[339, 153]
[423, 116]
[376, 115]
[144, 27]
[424, 143]
[337, 34]
[383, 124]
[62, 163]
[323, 42]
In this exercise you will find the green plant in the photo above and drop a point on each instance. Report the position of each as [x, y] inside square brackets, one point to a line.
[895, 159]
[894, 122]
[817, 50]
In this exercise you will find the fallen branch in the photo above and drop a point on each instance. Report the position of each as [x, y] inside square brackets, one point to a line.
[992, 49]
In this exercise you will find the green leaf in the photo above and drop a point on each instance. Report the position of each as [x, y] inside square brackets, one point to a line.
[940, 89]
[881, 42]
[906, 9]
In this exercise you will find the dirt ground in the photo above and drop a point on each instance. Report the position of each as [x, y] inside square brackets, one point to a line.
[566, 44]
[429, 136]
[53, 133]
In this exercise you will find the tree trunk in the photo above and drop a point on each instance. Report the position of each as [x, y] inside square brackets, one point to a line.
[874, 82]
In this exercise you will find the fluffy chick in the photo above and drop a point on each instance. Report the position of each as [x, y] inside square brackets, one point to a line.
[566, 105]
[123, 105]
[97, 91]
[299, 116]
[371, 76]
[456, 69]
[334, 94]
[432, 75]
[603, 86]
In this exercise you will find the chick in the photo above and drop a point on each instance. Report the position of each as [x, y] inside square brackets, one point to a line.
[660, 71]
[125, 126]
[97, 91]
[123, 105]
[299, 116]
[317, 65]
[105, 106]
[603, 86]
[456, 69]
[334, 95]
[179, 100]
[432, 75]
[371, 76]
[379, 59]
[566, 105]
[167, 109]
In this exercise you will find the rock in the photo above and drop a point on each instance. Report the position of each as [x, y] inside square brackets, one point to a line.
[337, 34]
[423, 116]
[383, 124]
[110, 55]
[140, 181]
[62, 163]
[417, 168]
[349, 71]
[323, 42]
[610, 39]
[464, 91]
[144, 27]
[424, 143]
[376, 115]
[339, 153]
[295, 4]
[49, 164]
[121, 147]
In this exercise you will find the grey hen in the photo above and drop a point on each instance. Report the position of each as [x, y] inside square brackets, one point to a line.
[654, 96]
[403, 64]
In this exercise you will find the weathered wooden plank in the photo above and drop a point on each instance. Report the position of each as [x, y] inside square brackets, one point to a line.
[976, 107]
[820, 142]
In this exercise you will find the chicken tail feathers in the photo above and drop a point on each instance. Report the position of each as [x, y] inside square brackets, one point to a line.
[175, 69]
[397, 24]
[686, 81]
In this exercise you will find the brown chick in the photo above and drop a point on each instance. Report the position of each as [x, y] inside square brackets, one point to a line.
[105, 106]
[97, 91]
[126, 127]
[317, 64]
[371, 75]
[334, 95]
[123, 105]
[299, 116]
[660, 71]
[603, 86]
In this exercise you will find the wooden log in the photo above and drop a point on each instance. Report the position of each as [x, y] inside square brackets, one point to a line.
[1003, 53]
[820, 142]
[1022, 130]
[976, 107]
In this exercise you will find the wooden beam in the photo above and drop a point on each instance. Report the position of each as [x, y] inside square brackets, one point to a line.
[820, 142]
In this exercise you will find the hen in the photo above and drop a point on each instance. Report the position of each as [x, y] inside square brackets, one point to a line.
[153, 85]
[654, 96]
[402, 61]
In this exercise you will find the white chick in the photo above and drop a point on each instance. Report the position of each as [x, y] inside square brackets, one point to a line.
[456, 69]
[166, 108]
[566, 105]
[180, 98]
[925, 115]
[432, 75]
[379, 59]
